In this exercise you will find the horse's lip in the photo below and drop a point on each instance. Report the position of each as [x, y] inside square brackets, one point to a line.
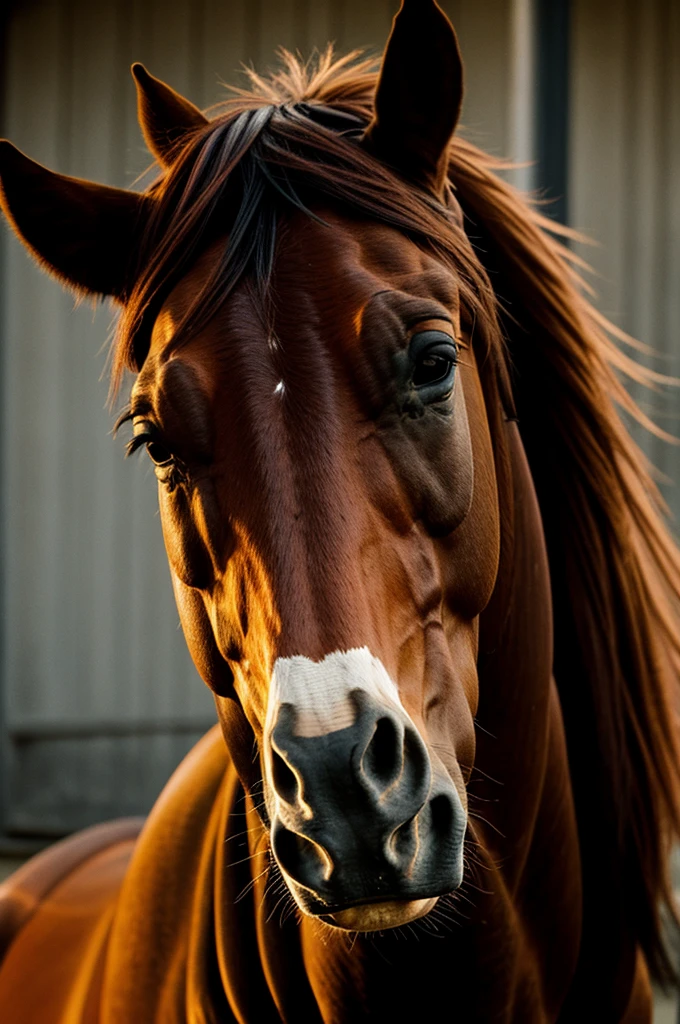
[383, 914]
[323, 908]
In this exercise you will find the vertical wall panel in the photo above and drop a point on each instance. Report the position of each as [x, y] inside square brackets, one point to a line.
[624, 173]
[91, 638]
[485, 35]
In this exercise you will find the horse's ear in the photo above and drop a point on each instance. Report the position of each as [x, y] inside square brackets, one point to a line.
[165, 117]
[419, 95]
[83, 233]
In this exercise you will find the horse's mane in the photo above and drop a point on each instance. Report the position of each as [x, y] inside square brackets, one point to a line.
[290, 141]
[287, 144]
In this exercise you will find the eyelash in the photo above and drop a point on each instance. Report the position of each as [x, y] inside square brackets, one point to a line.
[172, 473]
[136, 442]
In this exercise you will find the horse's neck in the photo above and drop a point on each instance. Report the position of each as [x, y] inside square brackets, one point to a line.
[523, 787]
[519, 732]
[520, 798]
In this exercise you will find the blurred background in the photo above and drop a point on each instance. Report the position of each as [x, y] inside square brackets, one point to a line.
[98, 697]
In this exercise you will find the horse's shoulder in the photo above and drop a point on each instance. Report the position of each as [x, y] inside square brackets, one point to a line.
[23, 892]
[178, 824]
[31, 885]
[56, 911]
[163, 909]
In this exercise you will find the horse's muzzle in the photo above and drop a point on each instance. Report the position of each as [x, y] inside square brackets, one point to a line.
[366, 833]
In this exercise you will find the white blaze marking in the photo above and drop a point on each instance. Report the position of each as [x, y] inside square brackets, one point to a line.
[280, 388]
[319, 690]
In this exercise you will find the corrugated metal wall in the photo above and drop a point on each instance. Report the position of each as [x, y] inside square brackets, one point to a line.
[624, 184]
[100, 699]
[92, 655]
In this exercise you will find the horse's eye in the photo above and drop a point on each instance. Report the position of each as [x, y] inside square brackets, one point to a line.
[431, 369]
[434, 355]
[158, 453]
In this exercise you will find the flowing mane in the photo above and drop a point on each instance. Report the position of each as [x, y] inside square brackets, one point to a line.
[615, 570]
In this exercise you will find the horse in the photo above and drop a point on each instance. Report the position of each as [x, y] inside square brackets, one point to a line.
[416, 556]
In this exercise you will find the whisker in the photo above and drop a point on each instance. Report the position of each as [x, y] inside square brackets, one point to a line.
[479, 771]
[485, 821]
[243, 860]
[486, 732]
[247, 888]
[288, 911]
[273, 910]
[245, 832]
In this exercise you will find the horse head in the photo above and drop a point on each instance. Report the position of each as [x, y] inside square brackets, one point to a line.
[327, 498]
[306, 317]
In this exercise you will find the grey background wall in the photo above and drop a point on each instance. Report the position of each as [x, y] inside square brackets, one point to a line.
[624, 183]
[98, 698]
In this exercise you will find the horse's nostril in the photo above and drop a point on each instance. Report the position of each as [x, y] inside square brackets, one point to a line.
[442, 815]
[302, 859]
[383, 758]
[284, 780]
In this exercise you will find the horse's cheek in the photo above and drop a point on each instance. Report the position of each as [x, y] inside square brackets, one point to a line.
[469, 557]
[210, 665]
[190, 571]
[431, 454]
[187, 551]
[446, 449]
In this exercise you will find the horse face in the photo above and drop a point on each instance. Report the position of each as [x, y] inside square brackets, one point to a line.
[327, 494]
[328, 504]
